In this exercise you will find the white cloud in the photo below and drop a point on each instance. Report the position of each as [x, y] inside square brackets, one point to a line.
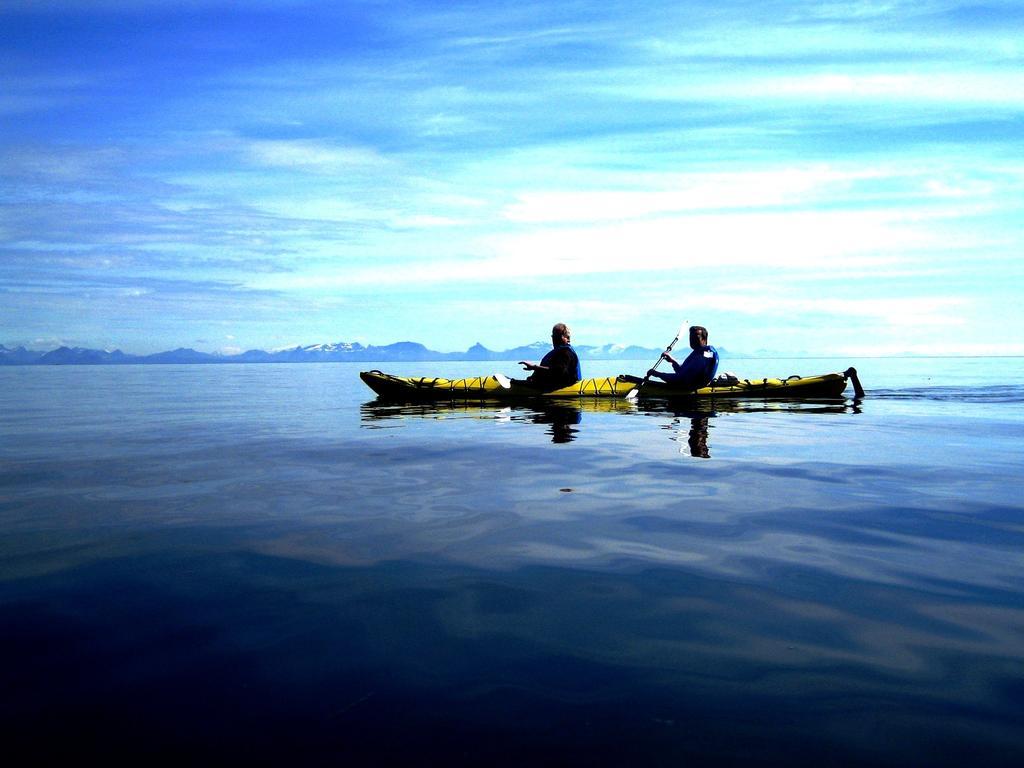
[1004, 88]
[341, 211]
[798, 241]
[782, 240]
[979, 88]
[314, 157]
[29, 93]
[689, 192]
[608, 311]
[794, 33]
[143, 6]
[326, 210]
[423, 221]
[64, 164]
[923, 311]
[447, 124]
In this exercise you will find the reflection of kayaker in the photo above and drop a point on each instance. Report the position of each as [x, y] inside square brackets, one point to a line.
[563, 420]
[697, 439]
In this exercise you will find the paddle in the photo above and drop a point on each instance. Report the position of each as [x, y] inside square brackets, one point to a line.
[635, 392]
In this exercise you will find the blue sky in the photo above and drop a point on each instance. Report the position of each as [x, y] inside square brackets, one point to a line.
[831, 178]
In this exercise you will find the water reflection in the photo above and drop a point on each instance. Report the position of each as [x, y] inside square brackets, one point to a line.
[401, 660]
[698, 437]
[564, 418]
[691, 423]
[253, 574]
[713, 407]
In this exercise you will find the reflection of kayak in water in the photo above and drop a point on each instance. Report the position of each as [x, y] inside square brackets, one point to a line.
[541, 411]
[561, 416]
[499, 387]
[391, 408]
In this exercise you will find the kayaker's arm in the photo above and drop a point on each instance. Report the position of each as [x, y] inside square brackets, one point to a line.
[652, 373]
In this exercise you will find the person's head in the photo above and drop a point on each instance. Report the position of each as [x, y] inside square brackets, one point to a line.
[698, 336]
[560, 334]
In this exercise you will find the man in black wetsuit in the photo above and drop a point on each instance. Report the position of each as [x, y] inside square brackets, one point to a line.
[560, 367]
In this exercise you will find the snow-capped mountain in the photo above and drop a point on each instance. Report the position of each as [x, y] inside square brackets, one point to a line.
[341, 351]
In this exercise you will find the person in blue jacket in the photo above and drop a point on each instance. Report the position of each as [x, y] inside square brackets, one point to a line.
[560, 367]
[698, 369]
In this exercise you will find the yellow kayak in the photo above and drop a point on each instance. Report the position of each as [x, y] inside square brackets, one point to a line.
[823, 385]
[486, 387]
[499, 387]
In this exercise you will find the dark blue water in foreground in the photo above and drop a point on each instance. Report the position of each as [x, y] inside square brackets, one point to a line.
[262, 564]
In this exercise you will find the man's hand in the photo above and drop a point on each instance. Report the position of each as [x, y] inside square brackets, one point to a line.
[529, 366]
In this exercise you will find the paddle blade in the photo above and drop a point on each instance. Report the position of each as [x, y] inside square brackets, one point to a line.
[684, 330]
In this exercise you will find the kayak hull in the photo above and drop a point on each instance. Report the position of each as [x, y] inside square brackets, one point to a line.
[429, 388]
[607, 387]
[824, 385]
[485, 387]
[499, 388]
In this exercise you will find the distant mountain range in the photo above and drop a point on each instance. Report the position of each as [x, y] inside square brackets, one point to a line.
[341, 352]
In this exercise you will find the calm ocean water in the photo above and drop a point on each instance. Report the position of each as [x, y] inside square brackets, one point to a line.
[264, 564]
